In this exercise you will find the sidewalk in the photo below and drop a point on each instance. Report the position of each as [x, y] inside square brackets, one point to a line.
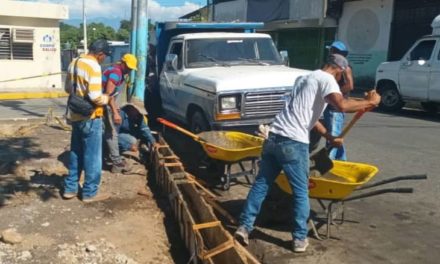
[24, 109]
[31, 95]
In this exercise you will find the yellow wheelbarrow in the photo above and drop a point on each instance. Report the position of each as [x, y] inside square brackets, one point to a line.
[227, 147]
[337, 186]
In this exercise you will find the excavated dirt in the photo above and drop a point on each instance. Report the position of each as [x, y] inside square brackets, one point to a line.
[221, 139]
[133, 226]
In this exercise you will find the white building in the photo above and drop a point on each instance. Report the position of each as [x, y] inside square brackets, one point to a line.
[30, 46]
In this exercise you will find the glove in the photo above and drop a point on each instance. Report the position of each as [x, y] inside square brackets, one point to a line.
[263, 131]
[102, 100]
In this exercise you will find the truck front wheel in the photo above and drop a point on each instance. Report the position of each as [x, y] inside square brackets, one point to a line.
[391, 100]
[198, 122]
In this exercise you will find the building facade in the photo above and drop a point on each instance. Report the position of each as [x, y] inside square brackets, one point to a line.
[373, 30]
[30, 57]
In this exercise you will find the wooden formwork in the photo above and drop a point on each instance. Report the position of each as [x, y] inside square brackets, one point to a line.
[204, 235]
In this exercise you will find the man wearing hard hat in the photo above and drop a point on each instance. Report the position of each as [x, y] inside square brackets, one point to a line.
[112, 80]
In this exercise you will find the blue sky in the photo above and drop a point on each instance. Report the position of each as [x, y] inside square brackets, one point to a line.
[159, 10]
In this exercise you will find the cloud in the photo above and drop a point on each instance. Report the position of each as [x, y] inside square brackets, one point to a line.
[122, 9]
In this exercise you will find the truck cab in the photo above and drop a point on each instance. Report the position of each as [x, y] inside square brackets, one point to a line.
[416, 77]
[221, 80]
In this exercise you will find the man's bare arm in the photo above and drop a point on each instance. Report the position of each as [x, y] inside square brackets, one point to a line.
[342, 104]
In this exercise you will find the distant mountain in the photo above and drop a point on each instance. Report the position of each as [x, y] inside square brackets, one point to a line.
[112, 22]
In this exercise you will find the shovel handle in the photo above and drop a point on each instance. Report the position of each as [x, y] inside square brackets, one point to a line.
[353, 121]
[178, 128]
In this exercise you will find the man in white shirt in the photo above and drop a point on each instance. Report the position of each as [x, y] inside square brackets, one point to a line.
[287, 146]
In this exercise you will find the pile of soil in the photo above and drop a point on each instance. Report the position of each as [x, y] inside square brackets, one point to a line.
[127, 228]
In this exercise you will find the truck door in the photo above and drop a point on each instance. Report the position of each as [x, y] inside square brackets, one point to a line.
[415, 70]
[170, 80]
[434, 83]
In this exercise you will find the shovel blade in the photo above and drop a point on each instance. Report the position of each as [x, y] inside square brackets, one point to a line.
[321, 162]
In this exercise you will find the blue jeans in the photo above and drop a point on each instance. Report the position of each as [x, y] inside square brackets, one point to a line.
[334, 122]
[126, 141]
[85, 154]
[111, 137]
[280, 153]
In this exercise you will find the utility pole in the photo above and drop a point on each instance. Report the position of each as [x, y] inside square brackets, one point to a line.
[84, 27]
[141, 48]
[133, 41]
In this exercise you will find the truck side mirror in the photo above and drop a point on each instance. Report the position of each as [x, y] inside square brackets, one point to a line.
[285, 57]
[171, 62]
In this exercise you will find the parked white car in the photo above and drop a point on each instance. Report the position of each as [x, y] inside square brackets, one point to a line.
[416, 77]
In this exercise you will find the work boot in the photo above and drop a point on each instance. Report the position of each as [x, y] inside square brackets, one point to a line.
[97, 198]
[242, 235]
[121, 167]
[300, 246]
[69, 195]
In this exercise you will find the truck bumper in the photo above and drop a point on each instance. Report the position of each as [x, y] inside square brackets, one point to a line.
[247, 126]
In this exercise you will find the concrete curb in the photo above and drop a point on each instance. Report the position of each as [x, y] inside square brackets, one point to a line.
[31, 95]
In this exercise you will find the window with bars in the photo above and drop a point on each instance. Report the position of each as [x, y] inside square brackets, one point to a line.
[16, 44]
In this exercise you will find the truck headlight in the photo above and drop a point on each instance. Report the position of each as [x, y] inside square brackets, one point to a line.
[230, 103]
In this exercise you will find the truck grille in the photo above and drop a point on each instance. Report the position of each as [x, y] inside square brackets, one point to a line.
[264, 103]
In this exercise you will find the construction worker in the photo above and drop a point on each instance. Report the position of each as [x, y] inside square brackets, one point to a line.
[112, 80]
[134, 127]
[84, 79]
[334, 119]
[287, 145]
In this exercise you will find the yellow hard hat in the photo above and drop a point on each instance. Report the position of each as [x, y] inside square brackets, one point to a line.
[130, 60]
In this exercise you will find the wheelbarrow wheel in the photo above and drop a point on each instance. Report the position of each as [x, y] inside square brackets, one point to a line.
[226, 183]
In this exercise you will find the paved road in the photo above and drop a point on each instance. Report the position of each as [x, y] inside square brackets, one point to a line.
[392, 228]
[30, 108]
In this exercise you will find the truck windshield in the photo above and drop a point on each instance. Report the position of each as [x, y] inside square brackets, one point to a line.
[228, 52]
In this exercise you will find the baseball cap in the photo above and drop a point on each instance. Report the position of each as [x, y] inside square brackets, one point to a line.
[338, 60]
[100, 45]
[130, 60]
[136, 104]
[338, 45]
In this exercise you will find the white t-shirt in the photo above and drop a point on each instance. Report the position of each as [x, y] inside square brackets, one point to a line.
[305, 106]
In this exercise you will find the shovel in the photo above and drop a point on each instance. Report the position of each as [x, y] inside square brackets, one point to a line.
[180, 129]
[321, 161]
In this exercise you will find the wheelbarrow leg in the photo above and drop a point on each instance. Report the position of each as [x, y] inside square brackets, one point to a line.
[314, 230]
[226, 178]
[329, 218]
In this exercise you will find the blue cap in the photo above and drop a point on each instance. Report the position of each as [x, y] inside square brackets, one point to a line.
[338, 45]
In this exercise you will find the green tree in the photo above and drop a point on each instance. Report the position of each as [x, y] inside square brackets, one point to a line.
[99, 31]
[123, 35]
[125, 24]
[69, 34]
[124, 30]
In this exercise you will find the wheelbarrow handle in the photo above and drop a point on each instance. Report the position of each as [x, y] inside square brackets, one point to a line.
[178, 128]
[379, 192]
[394, 179]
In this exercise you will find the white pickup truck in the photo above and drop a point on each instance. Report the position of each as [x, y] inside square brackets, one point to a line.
[224, 80]
[416, 77]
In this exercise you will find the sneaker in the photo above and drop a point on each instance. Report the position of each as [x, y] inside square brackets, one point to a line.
[300, 245]
[69, 195]
[97, 198]
[122, 166]
[242, 235]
